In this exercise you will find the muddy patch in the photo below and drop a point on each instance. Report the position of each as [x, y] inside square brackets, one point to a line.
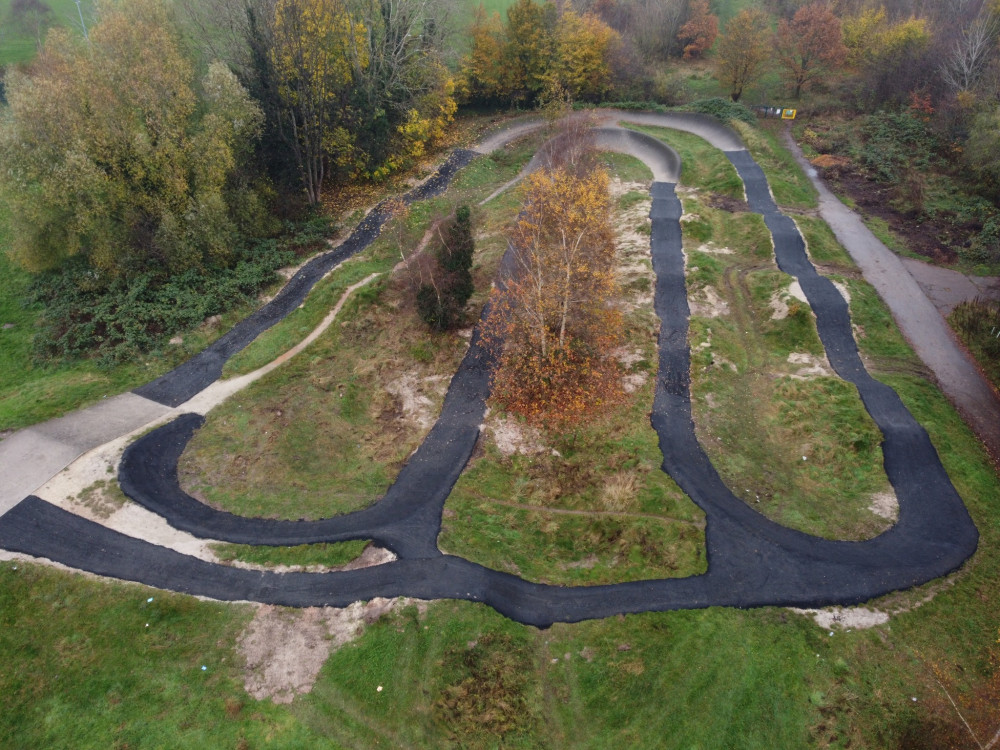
[727, 203]
[284, 649]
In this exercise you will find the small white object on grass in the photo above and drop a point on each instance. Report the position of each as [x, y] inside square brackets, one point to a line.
[204, 668]
[378, 689]
[149, 600]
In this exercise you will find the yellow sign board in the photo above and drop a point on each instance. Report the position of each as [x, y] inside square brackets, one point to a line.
[788, 114]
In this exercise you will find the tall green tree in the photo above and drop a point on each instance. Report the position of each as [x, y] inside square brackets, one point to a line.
[402, 93]
[111, 153]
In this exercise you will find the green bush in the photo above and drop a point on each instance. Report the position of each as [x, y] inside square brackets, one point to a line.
[985, 246]
[977, 324]
[441, 302]
[893, 143]
[113, 319]
[721, 109]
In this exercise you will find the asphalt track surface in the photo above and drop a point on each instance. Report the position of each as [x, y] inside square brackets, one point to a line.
[752, 561]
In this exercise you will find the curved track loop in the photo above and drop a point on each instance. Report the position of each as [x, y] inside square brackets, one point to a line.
[752, 561]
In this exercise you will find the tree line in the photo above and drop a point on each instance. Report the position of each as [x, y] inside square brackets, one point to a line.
[162, 141]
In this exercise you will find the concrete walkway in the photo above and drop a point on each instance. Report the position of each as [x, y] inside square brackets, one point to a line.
[947, 288]
[917, 317]
[32, 456]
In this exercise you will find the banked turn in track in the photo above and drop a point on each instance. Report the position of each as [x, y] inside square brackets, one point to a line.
[752, 561]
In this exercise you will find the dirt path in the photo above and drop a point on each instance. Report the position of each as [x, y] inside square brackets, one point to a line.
[917, 316]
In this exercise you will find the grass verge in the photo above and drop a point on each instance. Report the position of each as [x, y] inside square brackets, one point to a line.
[303, 555]
[789, 184]
[701, 165]
[786, 435]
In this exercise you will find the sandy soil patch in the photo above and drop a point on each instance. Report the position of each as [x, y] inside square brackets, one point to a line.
[633, 381]
[628, 356]
[810, 366]
[779, 300]
[712, 249]
[633, 262]
[511, 436]
[844, 291]
[412, 390]
[706, 303]
[284, 648]
[885, 505]
[845, 618]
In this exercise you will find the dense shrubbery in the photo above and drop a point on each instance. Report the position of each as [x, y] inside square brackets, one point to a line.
[114, 319]
[978, 325]
[722, 109]
[894, 143]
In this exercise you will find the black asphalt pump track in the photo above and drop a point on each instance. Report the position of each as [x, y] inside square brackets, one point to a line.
[752, 561]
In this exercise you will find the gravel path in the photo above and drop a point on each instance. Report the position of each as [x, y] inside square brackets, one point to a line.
[917, 317]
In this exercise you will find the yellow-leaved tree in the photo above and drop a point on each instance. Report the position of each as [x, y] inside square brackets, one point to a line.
[582, 61]
[554, 313]
[312, 56]
[108, 152]
[743, 51]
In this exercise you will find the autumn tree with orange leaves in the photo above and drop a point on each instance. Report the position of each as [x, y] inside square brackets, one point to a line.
[699, 31]
[810, 45]
[554, 314]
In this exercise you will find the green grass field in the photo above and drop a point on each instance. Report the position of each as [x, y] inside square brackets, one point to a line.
[19, 45]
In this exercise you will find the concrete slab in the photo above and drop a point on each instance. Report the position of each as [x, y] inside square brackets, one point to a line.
[947, 288]
[31, 457]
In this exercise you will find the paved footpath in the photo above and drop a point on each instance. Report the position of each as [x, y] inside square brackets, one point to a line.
[917, 317]
[32, 456]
